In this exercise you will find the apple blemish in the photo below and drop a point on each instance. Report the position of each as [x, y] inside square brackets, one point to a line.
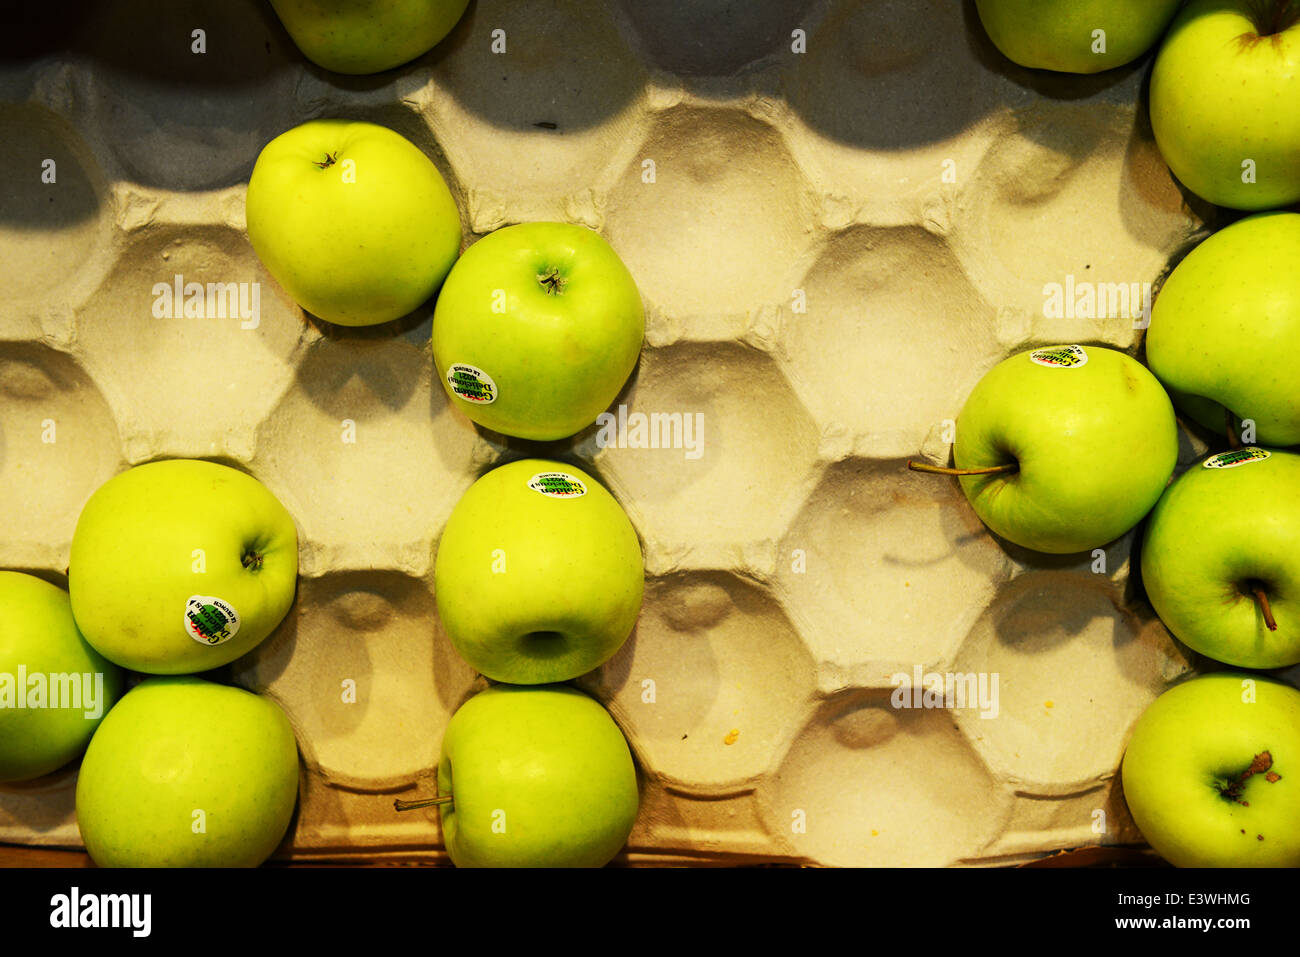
[1260, 764]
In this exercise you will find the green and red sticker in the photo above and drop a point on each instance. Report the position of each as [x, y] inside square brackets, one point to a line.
[471, 383]
[557, 485]
[1236, 457]
[210, 621]
[1060, 357]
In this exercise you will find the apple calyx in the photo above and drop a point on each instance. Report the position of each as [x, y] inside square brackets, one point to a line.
[1262, 763]
[552, 282]
[424, 802]
[982, 470]
[252, 560]
[1256, 589]
[330, 160]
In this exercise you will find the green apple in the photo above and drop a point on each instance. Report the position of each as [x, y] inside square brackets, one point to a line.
[538, 777]
[1074, 36]
[539, 573]
[367, 36]
[352, 220]
[1224, 90]
[181, 566]
[1064, 448]
[537, 329]
[188, 773]
[1221, 558]
[1212, 772]
[54, 688]
[1225, 329]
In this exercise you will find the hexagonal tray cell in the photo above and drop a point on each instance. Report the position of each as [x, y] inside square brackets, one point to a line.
[885, 568]
[1028, 236]
[932, 335]
[707, 481]
[868, 784]
[189, 373]
[529, 122]
[681, 827]
[503, 63]
[1074, 670]
[41, 812]
[56, 222]
[1097, 816]
[333, 820]
[357, 406]
[713, 37]
[889, 76]
[711, 684]
[58, 443]
[701, 242]
[186, 94]
[341, 665]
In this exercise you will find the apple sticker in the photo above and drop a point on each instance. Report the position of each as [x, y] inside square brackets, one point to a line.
[1236, 457]
[210, 621]
[471, 384]
[557, 485]
[1060, 357]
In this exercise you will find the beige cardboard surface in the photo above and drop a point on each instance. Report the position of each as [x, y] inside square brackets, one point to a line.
[832, 247]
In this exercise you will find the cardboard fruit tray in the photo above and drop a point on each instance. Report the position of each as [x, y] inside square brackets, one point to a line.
[839, 215]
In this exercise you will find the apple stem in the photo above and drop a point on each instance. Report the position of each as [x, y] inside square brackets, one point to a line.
[426, 802]
[983, 470]
[1262, 597]
[1233, 441]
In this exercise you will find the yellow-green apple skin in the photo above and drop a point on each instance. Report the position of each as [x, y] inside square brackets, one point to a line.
[1217, 534]
[352, 219]
[539, 776]
[538, 586]
[1059, 34]
[188, 773]
[1225, 328]
[1096, 442]
[550, 317]
[367, 36]
[1185, 772]
[39, 636]
[154, 537]
[1222, 94]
